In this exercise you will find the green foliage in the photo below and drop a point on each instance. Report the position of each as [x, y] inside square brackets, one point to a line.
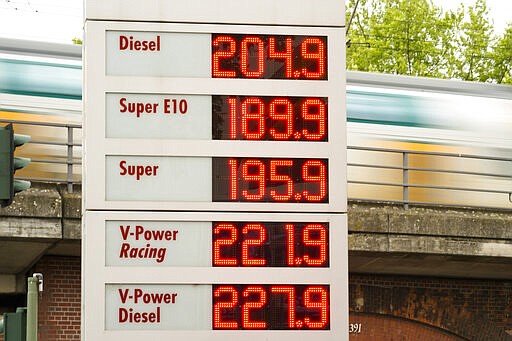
[501, 59]
[472, 58]
[415, 37]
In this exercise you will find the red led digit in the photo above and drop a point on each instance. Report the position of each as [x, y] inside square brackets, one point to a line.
[233, 179]
[247, 260]
[314, 171]
[290, 244]
[258, 177]
[224, 54]
[232, 102]
[319, 56]
[317, 298]
[274, 177]
[250, 305]
[220, 242]
[245, 55]
[313, 109]
[289, 291]
[231, 292]
[286, 54]
[281, 109]
[320, 242]
[253, 110]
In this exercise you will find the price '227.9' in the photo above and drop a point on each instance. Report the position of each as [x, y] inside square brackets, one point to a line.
[271, 307]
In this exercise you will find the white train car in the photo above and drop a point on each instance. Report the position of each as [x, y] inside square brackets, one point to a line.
[387, 115]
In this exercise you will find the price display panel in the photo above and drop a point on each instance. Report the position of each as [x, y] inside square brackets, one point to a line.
[270, 180]
[226, 275]
[256, 56]
[255, 182]
[273, 244]
[218, 307]
[203, 145]
[219, 244]
[255, 123]
[277, 306]
[269, 118]
[217, 117]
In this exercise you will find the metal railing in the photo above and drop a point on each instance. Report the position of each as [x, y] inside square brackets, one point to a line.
[454, 179]
[65, 138]
[388, 175]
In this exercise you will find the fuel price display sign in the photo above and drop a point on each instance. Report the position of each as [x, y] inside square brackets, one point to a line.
[214, 171]
[254, 123]
[223, 272]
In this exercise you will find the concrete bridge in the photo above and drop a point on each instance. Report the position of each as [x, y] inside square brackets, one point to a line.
[383, 238]
[436, 272]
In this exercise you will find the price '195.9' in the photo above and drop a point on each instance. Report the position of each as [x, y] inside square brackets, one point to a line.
[270, 180]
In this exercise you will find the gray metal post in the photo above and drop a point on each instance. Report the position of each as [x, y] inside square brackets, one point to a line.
[35, 284]
[70, 160]
[405, 182]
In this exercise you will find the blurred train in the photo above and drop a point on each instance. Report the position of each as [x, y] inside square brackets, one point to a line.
[383, 111]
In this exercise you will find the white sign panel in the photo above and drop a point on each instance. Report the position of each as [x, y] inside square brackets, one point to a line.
[131, 178]
[256, 114]
[209, 126]
[266, 12]
[214, 268]
[157, 54]
[158, 307]
[158, 243]
[158, 116]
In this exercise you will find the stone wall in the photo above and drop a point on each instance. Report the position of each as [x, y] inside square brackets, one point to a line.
[472, 309]
[59, 304]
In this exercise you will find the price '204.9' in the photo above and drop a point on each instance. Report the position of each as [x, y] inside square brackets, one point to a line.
[260, 56]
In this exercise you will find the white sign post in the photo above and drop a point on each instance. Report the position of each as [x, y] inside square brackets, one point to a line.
[214, 171]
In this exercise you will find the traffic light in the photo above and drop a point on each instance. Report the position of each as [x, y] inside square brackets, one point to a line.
[9, 164]
[14, 325]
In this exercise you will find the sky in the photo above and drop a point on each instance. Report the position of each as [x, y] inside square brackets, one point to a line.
[500, 11]
[62, 20]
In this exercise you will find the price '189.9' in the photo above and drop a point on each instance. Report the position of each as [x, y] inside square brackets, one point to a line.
[268, 118]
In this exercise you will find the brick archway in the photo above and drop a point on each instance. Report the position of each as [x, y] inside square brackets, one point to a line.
[376, 327]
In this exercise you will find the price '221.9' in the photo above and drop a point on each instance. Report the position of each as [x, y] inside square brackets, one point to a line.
[270, 244]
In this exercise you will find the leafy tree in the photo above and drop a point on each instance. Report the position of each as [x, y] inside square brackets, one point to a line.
[502, 58]
[414, 37]
[472, 60]
[396, 36]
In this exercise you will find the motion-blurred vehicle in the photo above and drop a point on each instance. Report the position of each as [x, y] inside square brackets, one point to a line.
[386, 115]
